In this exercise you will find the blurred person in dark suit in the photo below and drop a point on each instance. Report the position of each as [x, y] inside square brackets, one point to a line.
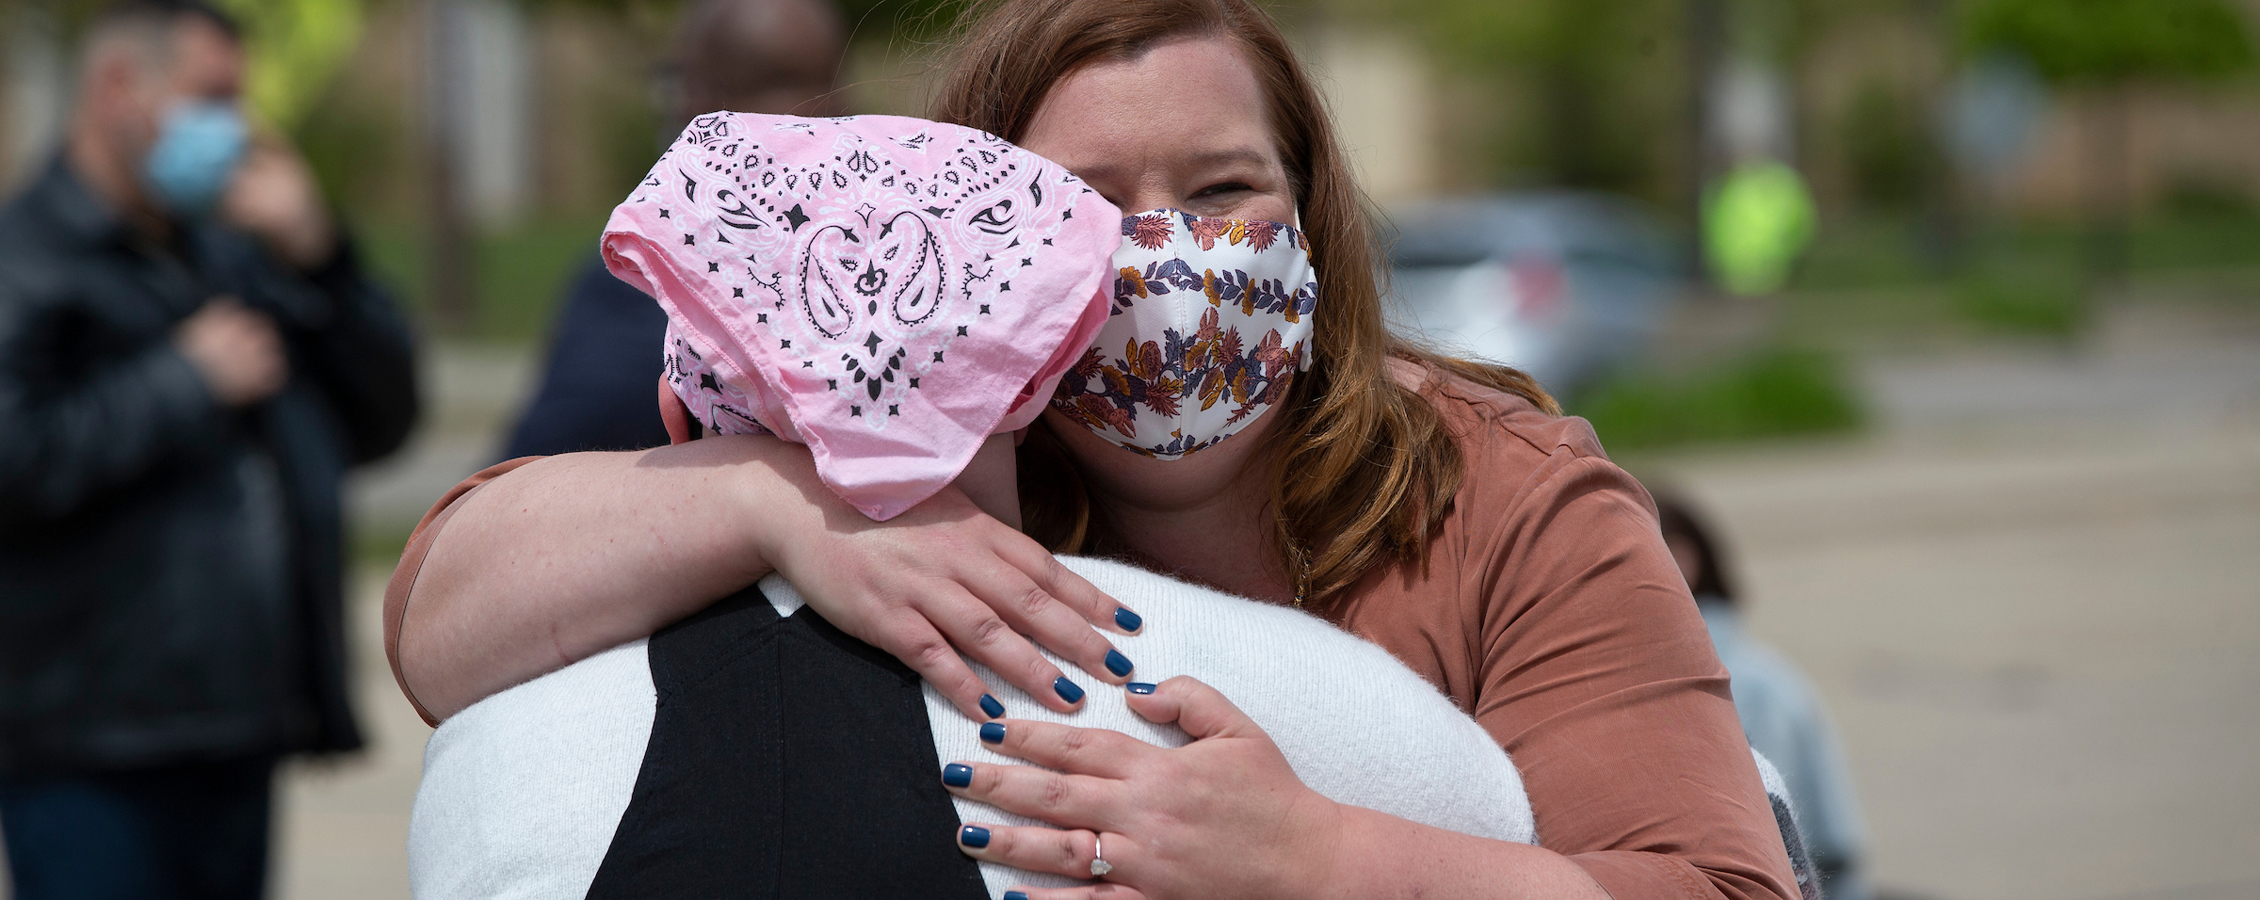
[190, 359]
[1781, 713]
[762, 56]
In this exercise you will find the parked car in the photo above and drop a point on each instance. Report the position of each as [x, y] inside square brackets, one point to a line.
[1563, 285]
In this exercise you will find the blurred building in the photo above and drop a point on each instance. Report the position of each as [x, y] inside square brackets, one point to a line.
[35, 94]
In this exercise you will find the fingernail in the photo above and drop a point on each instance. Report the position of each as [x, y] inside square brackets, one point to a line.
[1127, 620]
[973, 836]
[1068, 690]
[1117, 663]
[1015, 895]
[960, 775]
[1139, 687]
[992, 733]
[990, 706]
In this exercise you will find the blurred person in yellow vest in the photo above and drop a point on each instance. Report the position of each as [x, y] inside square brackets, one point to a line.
[763, 56]
[1756, 222]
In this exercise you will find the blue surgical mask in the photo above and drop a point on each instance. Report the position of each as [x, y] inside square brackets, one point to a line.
[198, 146]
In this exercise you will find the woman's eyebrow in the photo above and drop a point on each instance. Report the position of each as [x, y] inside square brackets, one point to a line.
[1209, 159]
[1220, 158]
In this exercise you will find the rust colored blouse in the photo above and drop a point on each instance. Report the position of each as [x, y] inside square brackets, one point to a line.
[1551, 611]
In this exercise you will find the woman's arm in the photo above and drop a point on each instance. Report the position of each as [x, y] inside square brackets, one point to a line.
[1598, 677]
[566, 556]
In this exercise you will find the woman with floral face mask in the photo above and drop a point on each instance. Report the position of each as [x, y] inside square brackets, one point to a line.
[1444, 510]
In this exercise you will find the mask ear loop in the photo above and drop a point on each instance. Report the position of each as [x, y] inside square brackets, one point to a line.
[1310, 350]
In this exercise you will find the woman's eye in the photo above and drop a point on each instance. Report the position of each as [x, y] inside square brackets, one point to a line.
[1224, 188]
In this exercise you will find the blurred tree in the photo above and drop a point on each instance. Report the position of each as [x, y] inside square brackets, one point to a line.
[916, 19]
[70, 14]
[1597, 73]
[297, 47]
[2100, 48]
[1885, 148]
[2106, 43]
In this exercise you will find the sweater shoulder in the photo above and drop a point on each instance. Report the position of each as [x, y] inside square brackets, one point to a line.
[1496, 426]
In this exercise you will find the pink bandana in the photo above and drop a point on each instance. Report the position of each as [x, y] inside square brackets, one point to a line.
[888, 291]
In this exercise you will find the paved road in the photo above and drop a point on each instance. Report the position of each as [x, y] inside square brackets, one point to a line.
[2033, 605]
[2031, 598]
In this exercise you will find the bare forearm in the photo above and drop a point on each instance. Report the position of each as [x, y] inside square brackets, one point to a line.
[570, 555]
[1385, 856]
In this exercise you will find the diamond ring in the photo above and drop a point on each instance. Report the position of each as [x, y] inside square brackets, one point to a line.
[1099, 865]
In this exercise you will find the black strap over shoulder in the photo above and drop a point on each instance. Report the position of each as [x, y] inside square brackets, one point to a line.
[787, 760]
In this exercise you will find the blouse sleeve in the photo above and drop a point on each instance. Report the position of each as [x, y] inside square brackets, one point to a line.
[1596, 674]
[412, 562]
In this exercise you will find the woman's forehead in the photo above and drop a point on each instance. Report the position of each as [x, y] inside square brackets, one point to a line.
[1187, 104]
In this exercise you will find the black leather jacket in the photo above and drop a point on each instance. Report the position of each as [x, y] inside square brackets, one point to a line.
[171, 572]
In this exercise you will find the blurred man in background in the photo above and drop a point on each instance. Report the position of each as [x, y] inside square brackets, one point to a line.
[599, 389]
[1781, 714]
[190, 358]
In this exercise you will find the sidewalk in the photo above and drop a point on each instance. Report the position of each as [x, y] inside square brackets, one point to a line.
[2032, 603]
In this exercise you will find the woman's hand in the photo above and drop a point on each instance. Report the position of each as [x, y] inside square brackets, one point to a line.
[1224, 816]
[944, 578]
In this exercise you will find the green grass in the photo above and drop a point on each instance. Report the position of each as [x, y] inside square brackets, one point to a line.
[519, 274]
[1769, 393]
[2035, 306]
[1888, 251]
[1870, 282]
[379, 545]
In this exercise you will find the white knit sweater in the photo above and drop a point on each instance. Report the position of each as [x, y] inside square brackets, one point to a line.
[522, 791]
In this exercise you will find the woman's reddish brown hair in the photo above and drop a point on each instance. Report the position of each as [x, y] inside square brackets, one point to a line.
[1364, 468]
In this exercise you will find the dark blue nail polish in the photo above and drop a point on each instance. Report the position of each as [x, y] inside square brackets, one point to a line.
[1127, 620]
[958, 775]
[992, 733]
[1117, 663]
[1015, 895]
[1139, 687]
[1068, 690]
[990, 706]
[973, 836]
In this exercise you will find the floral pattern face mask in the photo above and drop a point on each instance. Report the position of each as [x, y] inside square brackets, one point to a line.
[1211, 321]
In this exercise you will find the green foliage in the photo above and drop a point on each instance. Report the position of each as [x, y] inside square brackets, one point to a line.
[917, 20]
[519, 274]
[1884, 147]
[2193, 196]
[2099, 42]
[2035, 306]
[1601, 77]
[67, 15]
[379, 545]
[1770, 393]
[359, 152]
[296, 48]
[914, 19]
